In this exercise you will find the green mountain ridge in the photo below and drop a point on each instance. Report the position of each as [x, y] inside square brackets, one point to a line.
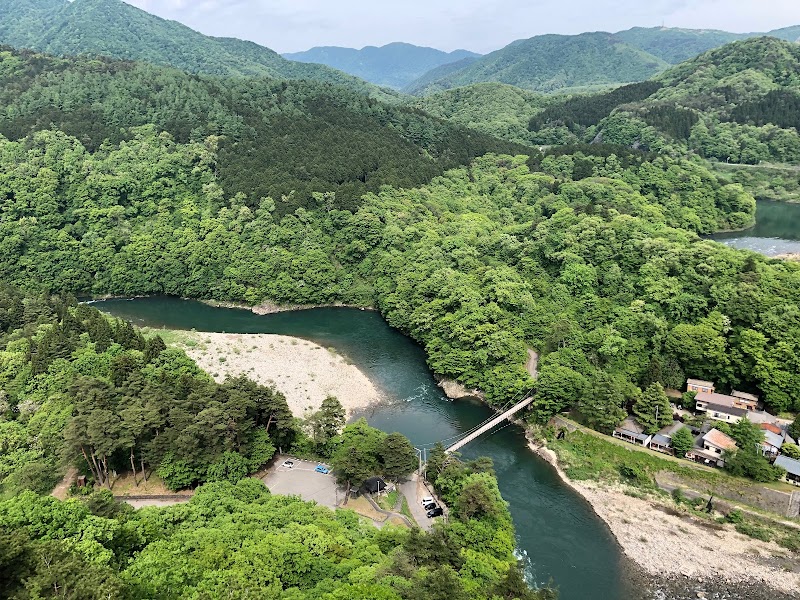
[118, 30]
[550, 63]
[394, 65]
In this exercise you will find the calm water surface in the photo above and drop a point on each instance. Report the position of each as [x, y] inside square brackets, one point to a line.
[558, 534]
[777, 230]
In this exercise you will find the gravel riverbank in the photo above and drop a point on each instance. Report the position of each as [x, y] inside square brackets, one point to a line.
[303, 371]
[681, 556]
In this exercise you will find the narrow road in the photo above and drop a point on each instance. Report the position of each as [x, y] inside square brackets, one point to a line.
[414, 491]
[532, 365]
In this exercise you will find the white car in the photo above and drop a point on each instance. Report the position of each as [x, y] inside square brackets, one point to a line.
[426, 500]
[288, 464]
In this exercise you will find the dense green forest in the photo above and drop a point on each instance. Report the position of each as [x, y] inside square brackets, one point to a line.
[592, 260]
[495, 109]
[80, 388]
[116, 29]
[394, 65]
[278, 139]
[739, 103]
[239, 541]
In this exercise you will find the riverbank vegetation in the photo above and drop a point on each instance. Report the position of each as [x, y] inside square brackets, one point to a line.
[82, 389]
[78, 386]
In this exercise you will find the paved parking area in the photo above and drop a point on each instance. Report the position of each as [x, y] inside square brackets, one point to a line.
[301, 480]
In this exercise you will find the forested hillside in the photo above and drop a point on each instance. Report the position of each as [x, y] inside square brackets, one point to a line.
[552, 63]
[583, 260]
[278, 139]
[394, 65]
[116, 29]
[80, 389]
[549, 63]
[739, 104]
[493, 108]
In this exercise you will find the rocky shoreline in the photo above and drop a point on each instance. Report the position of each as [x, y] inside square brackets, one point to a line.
[674, 555]
[270, 308]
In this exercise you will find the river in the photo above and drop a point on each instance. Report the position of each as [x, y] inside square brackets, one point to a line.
[559, 536]
[777, 230]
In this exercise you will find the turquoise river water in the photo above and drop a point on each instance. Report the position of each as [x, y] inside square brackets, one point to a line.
[559, 536]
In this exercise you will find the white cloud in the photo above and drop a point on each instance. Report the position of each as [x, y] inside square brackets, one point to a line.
[481, 25]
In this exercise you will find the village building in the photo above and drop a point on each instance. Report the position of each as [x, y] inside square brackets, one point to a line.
[760, 417]
[710, 447]
[751, 399]
[792, 468]
[771, 446]
[631, 431]
[662, 441]
[698, 385]
[719, 412]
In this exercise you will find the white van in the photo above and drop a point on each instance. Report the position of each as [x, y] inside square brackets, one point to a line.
[427, 500]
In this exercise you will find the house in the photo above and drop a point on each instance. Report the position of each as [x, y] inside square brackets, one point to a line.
[750, 399]
[792, 467]
[631, 431]
[760, 417]
[709, 448]
[662, 441]
[698, 385]
[721, 412]
[771, 446]
[722, 407]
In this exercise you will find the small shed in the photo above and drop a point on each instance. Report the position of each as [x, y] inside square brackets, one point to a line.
[374, 485]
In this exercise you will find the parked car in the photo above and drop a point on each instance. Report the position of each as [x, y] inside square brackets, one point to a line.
[322, 469]
[430, 506]
[288, 464]
[427, 500]
[436, 512]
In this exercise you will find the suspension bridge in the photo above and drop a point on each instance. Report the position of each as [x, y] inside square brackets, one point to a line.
[489, 425]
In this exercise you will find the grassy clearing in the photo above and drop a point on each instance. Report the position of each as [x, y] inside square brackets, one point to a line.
[584, 456]
[406, 510]
[389, 501]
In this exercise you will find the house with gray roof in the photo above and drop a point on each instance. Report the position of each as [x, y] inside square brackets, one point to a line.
[662, 441]
[792, 468]
[631, 431]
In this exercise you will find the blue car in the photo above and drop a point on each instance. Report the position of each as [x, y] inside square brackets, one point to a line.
[323, 470]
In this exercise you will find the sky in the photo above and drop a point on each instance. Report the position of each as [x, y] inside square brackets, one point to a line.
[477, 25]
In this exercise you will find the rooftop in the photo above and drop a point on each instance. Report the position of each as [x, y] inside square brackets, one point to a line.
[671, 429]
[771, 427]
[791, 465]
[727, 409]
[773, 439]
[718, 399]
[700, 383]
[760, 416]
[716, 438]
[663, 440]
[744, 396]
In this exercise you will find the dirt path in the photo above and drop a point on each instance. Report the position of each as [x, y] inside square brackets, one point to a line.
[532, 365]
[60, 491]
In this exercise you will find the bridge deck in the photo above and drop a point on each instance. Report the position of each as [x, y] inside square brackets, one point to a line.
[498, 419]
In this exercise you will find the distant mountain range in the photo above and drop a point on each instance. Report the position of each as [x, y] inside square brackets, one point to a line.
[394, 65]
[118, 30]
[552, 63]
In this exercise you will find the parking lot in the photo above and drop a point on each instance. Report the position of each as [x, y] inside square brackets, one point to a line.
[301, 480]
